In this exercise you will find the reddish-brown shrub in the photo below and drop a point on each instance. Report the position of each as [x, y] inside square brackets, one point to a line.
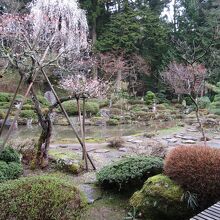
[196, 169]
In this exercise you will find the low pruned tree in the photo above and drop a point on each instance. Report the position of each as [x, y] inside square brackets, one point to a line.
[187, 80]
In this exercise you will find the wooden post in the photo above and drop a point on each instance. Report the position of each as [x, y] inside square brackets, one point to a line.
[10, 107]
[66, 115]
[17, 114]
[84, 157]
[84, 130]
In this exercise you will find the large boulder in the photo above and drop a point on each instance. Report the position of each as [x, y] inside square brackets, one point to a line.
[160, 198]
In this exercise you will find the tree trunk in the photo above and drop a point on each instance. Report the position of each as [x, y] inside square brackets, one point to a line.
[198, 119]
[41, 159]
[118, 81]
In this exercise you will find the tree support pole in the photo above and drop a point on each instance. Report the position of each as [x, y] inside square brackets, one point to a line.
[11, 105]
[67, 117]
[17, 114]
[84, 157]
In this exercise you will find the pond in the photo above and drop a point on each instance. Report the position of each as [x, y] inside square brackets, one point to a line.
[97, 133]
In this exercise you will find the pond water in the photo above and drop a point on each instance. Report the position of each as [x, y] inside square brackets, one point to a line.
[92, 132]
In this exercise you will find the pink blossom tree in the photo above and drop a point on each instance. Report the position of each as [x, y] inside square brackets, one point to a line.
[187, 80]
[81, 87]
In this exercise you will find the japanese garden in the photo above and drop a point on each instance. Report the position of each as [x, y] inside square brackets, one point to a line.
[109, 110]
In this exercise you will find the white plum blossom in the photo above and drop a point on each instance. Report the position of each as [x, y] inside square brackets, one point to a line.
[81, 87]
[63, 18]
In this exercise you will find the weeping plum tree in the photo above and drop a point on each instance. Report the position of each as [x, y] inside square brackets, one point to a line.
[54, 32]
[81, 87]
[187, 80]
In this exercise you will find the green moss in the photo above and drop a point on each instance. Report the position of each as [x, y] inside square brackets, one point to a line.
[160, 198]
[129, 171]
[40, 197]
[67, 161]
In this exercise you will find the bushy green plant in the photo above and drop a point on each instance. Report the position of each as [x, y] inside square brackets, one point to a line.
[150, 98]
[27, 107]
[2, 114]
[203, 102]
[71, 107]
[161, 198]
[8, 154]
[43, 101]
[28, 114]
[4, 97]
[40, 197]
[129, 171]
[11, 170]
[215, 105]
[112, 121]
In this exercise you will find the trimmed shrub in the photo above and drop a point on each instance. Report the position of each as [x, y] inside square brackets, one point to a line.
[129, 172]
[150, 98]
[28, 114]
[4, 97]
[43, 101]
[136, 102]
[27, 107]
[10, 155]
[196, 169]
[116, 142]
[2, 114]
[160, 198]
[204, 102]
[40, 197]
[10, 170]
[112, 122]
[71, 107]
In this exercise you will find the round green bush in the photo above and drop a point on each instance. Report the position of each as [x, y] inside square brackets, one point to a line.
[4, 97]
[10, 170]
[27, 107]
[28, 114]
[10, 155]
[43, 101]
[40, 197]
[204, 102]
[2, 114]
[71, 107]
[161, 198]
[128, 172]
[150, 98]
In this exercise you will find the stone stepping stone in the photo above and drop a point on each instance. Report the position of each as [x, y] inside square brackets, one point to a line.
[123, 149]
[189, 138]
[192, 130]
[178, 136]
[101, 151]
[188, 142]
[63, 146]
[217, 137]
[91, 149]
[172, 140]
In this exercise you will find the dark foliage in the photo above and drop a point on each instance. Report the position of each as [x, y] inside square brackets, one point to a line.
[128, 172]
